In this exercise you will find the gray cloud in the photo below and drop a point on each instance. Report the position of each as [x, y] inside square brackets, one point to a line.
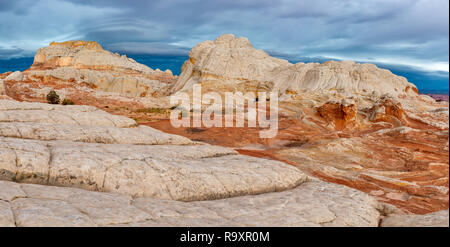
[10, 52]
[148, 48]
[413, 32]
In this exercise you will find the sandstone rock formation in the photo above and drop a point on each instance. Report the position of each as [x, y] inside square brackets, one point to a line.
[233, 64]
[404, 166]
[348, 123]
[83, 71]
[80, 146]
[345, 123]
[2, 87]
[437, 219]
[86, 62]
[15, 76]
[394, 169]
[342, 95]
[313, 203]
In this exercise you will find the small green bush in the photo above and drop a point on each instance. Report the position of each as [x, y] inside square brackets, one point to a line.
[53, 97]
[67, 102]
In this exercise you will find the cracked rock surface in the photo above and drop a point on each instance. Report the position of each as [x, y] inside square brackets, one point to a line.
[83, 147]
[436, 219]
[24, 112]
[79, 166]
[314, 203]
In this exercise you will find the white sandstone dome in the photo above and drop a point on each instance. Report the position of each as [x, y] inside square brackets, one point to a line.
[234, 62]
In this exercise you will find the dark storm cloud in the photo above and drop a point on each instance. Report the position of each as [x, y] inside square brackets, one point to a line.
[411, 32]
[10, 52]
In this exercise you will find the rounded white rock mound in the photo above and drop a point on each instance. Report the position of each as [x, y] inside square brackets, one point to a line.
[233, 63]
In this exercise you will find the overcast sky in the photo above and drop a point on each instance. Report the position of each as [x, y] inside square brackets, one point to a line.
[407, 32]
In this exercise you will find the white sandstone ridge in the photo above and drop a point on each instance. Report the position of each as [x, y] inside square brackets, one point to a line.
[232, 63]
[83, 147]
[84, 54]
[313, 203]
[87, 63]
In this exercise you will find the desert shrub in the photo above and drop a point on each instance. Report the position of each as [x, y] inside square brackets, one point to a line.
[67, 102]
[53, 97]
